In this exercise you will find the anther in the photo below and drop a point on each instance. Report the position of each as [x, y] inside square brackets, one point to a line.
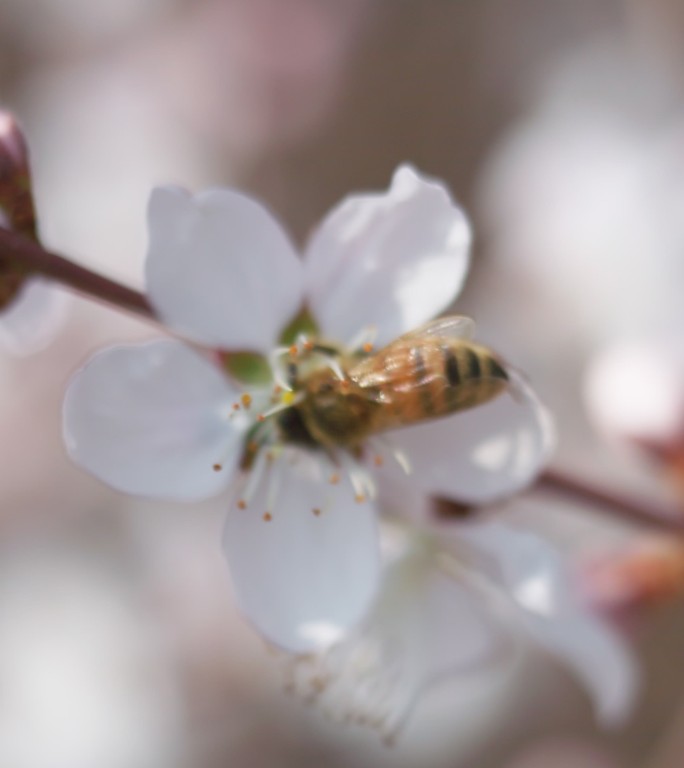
[236, 406]
[218, 467]
[359, 498]
[316, 511]
[267, 517]
[261, 417]
[308, 345]
[345, 385]
[334, 479]
[294, 351]
[246, 400]
[378, 460]
[242, 504]
[367, 347]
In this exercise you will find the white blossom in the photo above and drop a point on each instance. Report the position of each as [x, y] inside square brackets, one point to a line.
[164, 420]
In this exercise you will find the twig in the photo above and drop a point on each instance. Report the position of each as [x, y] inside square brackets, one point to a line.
[624, 506]
[29, 257]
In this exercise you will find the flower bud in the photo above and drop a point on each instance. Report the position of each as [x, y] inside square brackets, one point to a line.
[16, 202]
[16, 199]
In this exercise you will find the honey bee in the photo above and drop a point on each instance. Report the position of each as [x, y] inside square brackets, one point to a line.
[429, 373]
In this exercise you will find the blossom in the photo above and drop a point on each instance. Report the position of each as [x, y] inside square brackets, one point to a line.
[455, 601]
[164, 420]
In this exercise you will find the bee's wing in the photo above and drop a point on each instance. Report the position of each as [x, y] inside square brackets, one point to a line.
[450, 327]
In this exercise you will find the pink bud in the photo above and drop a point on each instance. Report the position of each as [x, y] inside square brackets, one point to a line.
[646, 573]
[16, 199]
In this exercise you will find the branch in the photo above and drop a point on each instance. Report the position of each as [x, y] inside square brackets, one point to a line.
[623, 506]
[25, 255]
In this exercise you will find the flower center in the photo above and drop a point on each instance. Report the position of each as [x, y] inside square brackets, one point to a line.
[308, 407]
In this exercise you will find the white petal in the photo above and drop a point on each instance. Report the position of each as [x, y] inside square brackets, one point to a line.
[150, 419]
[424, 626]
[30, 322]
[303, 579]
[599, 657]
[533, 573]
[220, 269]
[483, 453]
[390, 260]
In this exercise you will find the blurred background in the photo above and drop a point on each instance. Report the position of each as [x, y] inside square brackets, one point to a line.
[560, 128]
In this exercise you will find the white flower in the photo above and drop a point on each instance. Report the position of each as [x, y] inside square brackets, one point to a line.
[159, 419]
[449, 605]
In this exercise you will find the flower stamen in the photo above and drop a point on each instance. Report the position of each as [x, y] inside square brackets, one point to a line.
[364, 340]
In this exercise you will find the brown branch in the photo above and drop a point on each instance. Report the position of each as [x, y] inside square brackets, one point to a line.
[622, 506]
[24, 255]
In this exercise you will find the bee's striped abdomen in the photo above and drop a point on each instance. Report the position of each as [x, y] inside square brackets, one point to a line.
[472, 375]
[415, 379]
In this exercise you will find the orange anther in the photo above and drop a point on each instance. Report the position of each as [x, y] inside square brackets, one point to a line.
[359, 498]
[267, 517]
[368, 347]
[308, 346]
[277, 389]
[236, 406]
[316, 511]
[345, 385]
[242, 504]
[294, 351]
[218, 467]
[334, 479]
[261, 417]
[246, 400]
[378, 461]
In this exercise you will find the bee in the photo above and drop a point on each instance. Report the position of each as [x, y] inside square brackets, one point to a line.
[429, 373]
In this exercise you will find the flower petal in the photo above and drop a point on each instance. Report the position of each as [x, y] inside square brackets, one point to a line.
[534, 575]
[151, 420]
[483, 453]
[220, 269]
[308, 574]
[34, 318]
[425, 625]
[390, 260]
[597, 655]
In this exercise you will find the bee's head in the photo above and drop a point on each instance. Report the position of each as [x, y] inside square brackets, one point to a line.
[333, 409]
